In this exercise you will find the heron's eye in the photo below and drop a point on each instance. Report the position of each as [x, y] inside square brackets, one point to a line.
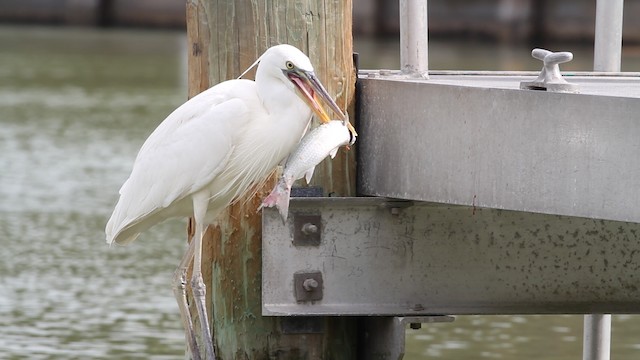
[289, 65]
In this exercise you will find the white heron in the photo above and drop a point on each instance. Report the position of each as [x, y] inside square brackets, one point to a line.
[213, 149]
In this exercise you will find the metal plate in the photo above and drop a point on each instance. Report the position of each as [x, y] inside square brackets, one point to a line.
[437, 259]
[476, 142]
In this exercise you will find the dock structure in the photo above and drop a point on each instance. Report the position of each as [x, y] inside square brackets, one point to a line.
[477, 193]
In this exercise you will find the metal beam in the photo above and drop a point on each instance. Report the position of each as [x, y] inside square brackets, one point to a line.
[474, 141]
[382, 257]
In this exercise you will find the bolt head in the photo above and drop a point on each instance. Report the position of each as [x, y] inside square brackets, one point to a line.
[309, 284]
[309, 228]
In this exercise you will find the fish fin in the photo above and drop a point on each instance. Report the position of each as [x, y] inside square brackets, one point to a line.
[279, 197]
[283, 206]
[309, 174]
[334, 152]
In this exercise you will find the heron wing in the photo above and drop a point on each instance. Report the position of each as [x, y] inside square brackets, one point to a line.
[185, 153]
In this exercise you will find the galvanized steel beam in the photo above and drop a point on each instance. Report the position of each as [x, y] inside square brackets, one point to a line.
[474, 141]
[384, 257]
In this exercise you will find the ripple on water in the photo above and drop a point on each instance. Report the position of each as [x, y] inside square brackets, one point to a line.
[67, 144]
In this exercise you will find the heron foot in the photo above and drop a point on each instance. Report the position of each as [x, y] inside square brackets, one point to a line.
[199, 295]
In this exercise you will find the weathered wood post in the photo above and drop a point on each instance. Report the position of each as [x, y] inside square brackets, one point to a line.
[224, 38]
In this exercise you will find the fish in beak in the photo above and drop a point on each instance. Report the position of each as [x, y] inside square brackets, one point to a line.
[312, 92]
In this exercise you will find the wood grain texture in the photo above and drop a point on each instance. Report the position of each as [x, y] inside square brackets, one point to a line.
[198, 41]
[225, 38]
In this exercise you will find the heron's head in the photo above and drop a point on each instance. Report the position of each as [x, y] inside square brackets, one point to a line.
[294, 69]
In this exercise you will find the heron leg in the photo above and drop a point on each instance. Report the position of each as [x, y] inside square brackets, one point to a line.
[198, 287]
[180, 292]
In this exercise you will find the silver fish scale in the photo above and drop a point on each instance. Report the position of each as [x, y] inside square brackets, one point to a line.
[316, 146]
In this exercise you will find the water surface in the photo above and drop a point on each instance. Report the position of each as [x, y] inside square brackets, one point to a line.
[76, 104]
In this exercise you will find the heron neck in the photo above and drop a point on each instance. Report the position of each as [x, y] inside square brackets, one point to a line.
[276, 96]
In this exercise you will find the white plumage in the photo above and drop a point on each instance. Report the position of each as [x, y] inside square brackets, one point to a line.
[220, 143]
[214, 148]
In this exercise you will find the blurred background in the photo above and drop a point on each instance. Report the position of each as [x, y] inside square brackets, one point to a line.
[83, 83]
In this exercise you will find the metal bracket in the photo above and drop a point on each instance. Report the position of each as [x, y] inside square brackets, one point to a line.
[384, 337]
[550, 78]
[307, 229]
[308, 286]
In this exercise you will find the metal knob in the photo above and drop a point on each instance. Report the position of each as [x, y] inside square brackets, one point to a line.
[550, 78]
[551, 59]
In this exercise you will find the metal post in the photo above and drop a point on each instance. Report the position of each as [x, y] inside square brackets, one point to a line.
[597, 337]
[607, 57]
[608, 41]
[414, 44]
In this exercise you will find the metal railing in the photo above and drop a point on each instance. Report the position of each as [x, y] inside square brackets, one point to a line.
[414, 49]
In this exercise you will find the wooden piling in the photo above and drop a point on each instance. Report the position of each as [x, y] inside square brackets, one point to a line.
[225, 37]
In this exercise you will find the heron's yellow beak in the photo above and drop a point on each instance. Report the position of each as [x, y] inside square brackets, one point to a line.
[318, 109]
[312, 92]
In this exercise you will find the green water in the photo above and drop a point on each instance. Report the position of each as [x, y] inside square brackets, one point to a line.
[75, 106]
